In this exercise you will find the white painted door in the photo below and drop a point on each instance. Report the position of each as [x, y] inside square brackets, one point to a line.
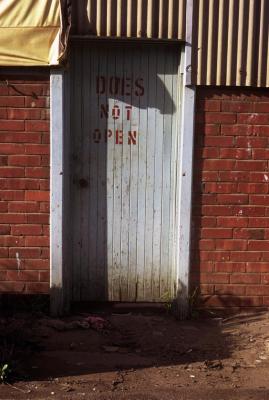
[124, 156]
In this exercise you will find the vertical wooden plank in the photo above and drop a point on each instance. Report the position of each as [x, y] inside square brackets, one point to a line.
[169, 136]
[85, 170]
[126, 100]
[134, 188]
[112, 56]
[93, 176]
[160, 136]
[151, 130]
[142, 173]
[117, 217]
[174, 177]
[101, 150]
[76, 133]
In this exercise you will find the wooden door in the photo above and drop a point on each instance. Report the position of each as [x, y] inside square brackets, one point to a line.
[125, 119]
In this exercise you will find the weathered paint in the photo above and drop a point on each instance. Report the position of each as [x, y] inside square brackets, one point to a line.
[125, 136]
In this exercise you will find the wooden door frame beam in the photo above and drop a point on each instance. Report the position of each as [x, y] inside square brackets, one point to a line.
[56, 191]
[186, 172]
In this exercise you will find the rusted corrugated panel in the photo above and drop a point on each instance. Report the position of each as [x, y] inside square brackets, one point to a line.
[156, 19]
[230, 42]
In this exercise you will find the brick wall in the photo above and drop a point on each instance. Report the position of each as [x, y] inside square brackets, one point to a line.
[24, 184]
[230, 246]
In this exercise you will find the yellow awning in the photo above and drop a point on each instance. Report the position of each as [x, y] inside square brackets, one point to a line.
[30, 32]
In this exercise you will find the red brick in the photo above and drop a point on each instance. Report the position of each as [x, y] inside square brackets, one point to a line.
[8, 263]
[25, 276]
[7, 148]
[37, 172]
[261, 130]
[44, 276]
[37, 149]
[37, 218]
[22, 252]
[11, 125]
[253, 119]
[257, 267]
[232, 198]
[31, 230]
[3, 253]
[12, 287]
[231, 244]
[236, 153]
[209, 105]
[3, 206]
[22, 137]
[261, 107]
[251, 142]
[235, 290]
[3, 160]
[249, 233]
[11, 195]
[237, 130]
[37, 195]
[231, 222]
[236, 106]
[19, 184]
[214, 187]
[260, 154]
[4, 229]
[29, 89]
[250, 165]
[216, 233]
[217, 210]
[245, 278]
[245, 256]
[13, 101]
[11, 241]
[243, 211]
[219, 141]
[265, 279]
[215, 255]
[19, 113]
[11, 172]
[36, 241]
[10, 218]
[23, 207]
[234, 176]
[259, 176]
[230, 267]
[220, 118]
[259, 200]
[37, 287]
[253, 188]
[257, 290]
[258, 245]
[37, 264]
[214, 278]
[258, 222]
[24, 160]
[37, 126]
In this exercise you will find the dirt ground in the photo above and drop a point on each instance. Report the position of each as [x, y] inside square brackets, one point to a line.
[139, 356]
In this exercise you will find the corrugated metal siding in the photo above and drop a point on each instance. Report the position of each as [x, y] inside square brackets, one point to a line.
[156, 19]
[230, 42]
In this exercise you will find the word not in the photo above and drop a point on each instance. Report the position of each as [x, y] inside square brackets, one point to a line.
[115, 112]
[114, 85]
[119, 136]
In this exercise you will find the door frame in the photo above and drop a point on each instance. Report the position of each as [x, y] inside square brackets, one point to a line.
[60, 282]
